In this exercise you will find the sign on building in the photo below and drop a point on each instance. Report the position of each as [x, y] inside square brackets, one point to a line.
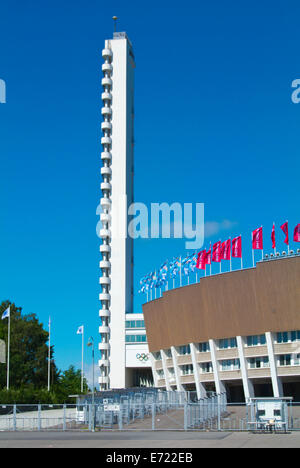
[2, 352]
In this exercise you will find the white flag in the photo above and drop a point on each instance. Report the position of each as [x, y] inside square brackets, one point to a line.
[80, 330]
[6, 313]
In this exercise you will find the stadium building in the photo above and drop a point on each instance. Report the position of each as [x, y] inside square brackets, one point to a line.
[237, 332]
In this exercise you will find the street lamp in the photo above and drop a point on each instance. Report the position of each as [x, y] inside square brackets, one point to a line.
[90, 343]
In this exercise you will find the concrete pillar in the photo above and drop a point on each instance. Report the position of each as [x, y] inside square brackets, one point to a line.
[176, 370]
[153, 361]
[166, 373]
[247, 384]
[200, 389]
[276, 381]
[220, 387]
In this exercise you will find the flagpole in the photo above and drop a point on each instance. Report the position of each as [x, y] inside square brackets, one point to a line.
[49, 354]
[262, 250]
[8, 352]
[241, 252]
[82, 346]
[180, 273]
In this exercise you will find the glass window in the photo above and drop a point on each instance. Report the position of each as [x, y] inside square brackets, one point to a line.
[186, 370]
[227, 343]
[296, 359]
[136, 338]
[258, 362]
[184, 350]
[285, 360]
[256, 340]
[204, 347]
[206, 367]
[134, 324]
[230, 364]
[157, 356]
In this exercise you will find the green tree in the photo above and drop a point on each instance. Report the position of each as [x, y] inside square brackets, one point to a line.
[70, 382]
[28, 350]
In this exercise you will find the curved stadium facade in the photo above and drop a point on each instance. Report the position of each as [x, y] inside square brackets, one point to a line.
[237, 332]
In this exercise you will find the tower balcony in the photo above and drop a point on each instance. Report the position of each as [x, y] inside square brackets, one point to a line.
[104, 296]
[106, 96]
[103, 380]
[107, 68]
[106, 171]
[105, 249]
[106, 140]
[106, 82]
[105, 218]
[103, 329]
[104, 264]
[103, 363]
[104, 313]
[106, 126]
[106, 155]
[106, 111]
[104, 346]
[105, 186]
[104, 280]
[107, 53]
[105, 203]
[105, 234]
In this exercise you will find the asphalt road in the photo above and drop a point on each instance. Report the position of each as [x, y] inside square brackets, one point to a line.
[159, 439]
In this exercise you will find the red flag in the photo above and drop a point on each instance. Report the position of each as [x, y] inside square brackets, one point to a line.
[201, 260]
[297, 233]
[216, 254]
[273, 237]
[285, 228]
[226, 250]
[237, 247]
[257, 239]
[208, 257]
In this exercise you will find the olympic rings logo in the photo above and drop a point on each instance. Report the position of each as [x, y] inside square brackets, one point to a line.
[142, 357]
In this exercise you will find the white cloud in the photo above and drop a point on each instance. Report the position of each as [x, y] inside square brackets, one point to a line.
[212, 228]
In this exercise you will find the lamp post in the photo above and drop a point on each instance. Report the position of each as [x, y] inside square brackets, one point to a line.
[91, 344]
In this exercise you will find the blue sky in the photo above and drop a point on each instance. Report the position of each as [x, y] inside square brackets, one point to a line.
[215, 124]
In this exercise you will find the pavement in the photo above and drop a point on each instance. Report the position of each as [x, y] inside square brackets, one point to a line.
[152, 440]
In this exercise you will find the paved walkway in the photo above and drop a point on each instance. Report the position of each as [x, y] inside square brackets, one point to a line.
[153, 440]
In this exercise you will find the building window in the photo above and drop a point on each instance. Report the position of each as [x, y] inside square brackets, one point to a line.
[285, 360]
[227, 343]
[134, 324]
[183, 350]
[256, 340]
[160, 374]
[168, 353]
[187, 370]
[136, 339]
[206, 368]
[157, 356]
[230, 364]
[288, 337]
[204, 347]
[258, 362]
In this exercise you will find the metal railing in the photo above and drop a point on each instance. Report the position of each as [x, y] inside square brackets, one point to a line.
[166, 411]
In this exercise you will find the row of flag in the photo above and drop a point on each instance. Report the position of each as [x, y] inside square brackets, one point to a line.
[231, 248]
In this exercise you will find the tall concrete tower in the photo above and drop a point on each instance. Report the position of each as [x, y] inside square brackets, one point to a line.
[117, 194]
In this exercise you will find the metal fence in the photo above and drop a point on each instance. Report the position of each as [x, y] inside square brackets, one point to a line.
[174, 414]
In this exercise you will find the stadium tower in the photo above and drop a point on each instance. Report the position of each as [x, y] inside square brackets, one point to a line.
[117, 195]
